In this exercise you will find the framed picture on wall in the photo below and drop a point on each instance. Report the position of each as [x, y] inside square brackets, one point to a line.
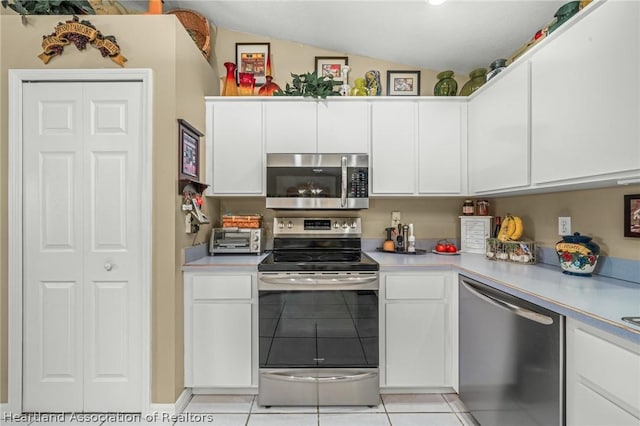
[253, 57]
[632, 215]
[189, 155]
[331, 66]
[403, 83]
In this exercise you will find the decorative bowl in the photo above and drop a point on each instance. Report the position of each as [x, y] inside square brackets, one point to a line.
[577, 254]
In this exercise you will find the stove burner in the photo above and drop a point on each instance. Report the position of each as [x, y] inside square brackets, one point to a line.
[291, 257]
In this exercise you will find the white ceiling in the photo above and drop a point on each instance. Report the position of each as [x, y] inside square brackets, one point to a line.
[460, 34]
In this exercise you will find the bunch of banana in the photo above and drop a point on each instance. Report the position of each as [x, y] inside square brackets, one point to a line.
[511, 229]
[573, 248]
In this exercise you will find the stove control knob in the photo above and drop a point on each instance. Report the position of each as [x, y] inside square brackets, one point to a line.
[344, 225]
[354, 224]
[280, 224]
[336, 225]
[290, 225]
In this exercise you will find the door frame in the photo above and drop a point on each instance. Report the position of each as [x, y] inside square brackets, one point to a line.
[17, 77]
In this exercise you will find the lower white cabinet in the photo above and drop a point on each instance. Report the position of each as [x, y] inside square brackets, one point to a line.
[220, 330]
[603, 378]
[418, 323]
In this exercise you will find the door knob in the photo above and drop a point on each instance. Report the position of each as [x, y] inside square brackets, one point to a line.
[108, 266]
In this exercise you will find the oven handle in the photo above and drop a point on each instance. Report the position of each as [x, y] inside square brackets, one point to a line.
[343, 197]
[318, 282]
[502, 304]
[295, 378]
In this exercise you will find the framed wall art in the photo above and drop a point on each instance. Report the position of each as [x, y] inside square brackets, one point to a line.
[403, 83]
[189, 155]
[253, 57]
[632, 215]
[331, 66]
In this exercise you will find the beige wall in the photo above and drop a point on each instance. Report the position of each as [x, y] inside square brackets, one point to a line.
[288, 57]
[181, 77]
[597, 213]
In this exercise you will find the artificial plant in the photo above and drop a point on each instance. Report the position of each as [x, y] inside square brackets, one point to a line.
[50, 7]
[309, 85]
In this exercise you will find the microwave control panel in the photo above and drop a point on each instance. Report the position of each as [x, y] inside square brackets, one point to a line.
[358, 182]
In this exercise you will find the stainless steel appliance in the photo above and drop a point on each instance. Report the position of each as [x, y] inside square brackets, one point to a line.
[318, 316]
[236, 241]
[511, 358]
[317, 181]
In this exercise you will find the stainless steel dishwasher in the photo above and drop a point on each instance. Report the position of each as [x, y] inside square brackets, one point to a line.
[511, 358]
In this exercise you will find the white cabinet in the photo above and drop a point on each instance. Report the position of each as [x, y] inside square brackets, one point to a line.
[441, 147]
[393, 148]
[474, 231]
[418, 323]
[498, 149]
[603, 377]
[234, 148]
[311, 126]
[220, 330]
[343, 127]
[586, 99]
[290, 127]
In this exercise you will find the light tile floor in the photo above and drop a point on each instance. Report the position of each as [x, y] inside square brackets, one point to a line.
[243, 410]
[393, 410]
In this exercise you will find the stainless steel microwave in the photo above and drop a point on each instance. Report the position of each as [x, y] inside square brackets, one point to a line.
[317, 181]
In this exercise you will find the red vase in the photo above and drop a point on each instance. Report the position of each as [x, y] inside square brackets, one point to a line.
[268, 88]
[247, 84]
[230, 88]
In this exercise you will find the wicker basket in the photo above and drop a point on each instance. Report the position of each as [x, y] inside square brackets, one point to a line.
[511, 251]
[252, 221]
[198, 28]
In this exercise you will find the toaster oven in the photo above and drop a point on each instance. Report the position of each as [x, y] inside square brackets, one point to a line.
[236, 241]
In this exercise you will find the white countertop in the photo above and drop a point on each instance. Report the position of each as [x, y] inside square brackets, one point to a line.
[597, 300]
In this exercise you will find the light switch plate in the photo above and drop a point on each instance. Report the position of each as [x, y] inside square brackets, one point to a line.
[395, 219]
[564, 226]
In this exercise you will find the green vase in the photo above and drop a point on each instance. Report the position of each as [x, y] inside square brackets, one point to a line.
[446, 85]
[477, 78]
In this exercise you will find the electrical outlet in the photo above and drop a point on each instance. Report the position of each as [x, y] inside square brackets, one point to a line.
[395, 219]
[564, 226]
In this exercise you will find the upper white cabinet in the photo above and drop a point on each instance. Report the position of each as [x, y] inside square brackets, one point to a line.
[393, 148]
[290, 127]
[441, 147]
[234, 148]
[586, 99]
[499, 133]
[343, 127]
[310, 126]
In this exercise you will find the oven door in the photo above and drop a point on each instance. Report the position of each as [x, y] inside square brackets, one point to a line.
[318, 339]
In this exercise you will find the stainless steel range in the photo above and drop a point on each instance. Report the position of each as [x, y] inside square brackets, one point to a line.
[318, 315]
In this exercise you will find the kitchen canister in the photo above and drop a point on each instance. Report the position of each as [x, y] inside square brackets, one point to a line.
[577, 254]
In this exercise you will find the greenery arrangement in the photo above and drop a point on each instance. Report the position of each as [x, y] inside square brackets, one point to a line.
[309, 85]
[50, 7]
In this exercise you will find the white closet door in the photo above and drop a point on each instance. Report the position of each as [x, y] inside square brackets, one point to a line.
[82, 293]
[112, 288]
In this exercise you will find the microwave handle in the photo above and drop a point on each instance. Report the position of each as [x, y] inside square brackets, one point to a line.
[343, 198]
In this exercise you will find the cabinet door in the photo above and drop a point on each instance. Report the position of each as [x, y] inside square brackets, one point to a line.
[440, 147]
[221, 344]
[235, 156]
[290, 126]
[415, 344]
[603, 377]
[585, 91]
[499, 133]
[343, 127]
[393, 148]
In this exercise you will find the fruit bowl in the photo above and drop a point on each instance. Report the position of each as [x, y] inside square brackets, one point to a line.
[577, 254]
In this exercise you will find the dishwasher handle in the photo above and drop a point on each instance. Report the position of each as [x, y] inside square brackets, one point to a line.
[502, 304]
